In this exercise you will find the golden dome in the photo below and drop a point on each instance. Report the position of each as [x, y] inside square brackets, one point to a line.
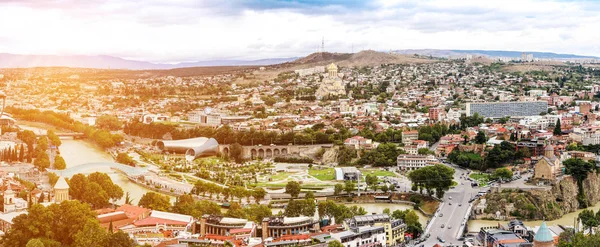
[331, 67]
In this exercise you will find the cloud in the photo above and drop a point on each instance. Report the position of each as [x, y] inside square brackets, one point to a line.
[188, 30]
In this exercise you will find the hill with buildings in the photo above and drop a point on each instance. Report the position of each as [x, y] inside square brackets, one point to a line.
[363, 58]
[490, 53]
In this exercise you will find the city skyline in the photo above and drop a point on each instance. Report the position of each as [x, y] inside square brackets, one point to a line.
[182, 31]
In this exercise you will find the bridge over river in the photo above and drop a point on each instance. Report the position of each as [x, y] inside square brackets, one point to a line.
[85, 168]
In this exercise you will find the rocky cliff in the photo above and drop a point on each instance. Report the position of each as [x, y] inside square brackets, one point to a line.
[551, 204]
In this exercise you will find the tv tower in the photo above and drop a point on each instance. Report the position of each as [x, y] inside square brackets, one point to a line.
[323, 44]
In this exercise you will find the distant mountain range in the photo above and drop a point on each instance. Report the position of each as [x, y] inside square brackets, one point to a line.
[103, 62]
[362, 58]
[448, 53]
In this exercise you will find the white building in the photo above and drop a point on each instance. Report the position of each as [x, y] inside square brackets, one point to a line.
[362, 236]
[591, 139]
[409, 162]
[12, 203]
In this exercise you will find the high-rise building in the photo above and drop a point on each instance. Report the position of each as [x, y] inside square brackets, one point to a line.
[507, 109]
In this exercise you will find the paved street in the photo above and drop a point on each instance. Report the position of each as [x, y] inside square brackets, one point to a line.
[450, 214]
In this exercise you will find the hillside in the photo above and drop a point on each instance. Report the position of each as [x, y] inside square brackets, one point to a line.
[363, 58]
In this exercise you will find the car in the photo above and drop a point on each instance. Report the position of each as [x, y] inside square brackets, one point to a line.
[450, 197]
[443, 226]
[441, 215]
[450, 203]
[449, 227]
[441, 239]
[460, 204]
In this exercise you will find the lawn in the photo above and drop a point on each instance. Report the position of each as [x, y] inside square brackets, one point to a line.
[281, 176]
[323, 175]
[481, 178]
[379, 173]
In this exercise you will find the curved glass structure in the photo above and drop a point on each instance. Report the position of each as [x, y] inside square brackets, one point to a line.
[192, 148]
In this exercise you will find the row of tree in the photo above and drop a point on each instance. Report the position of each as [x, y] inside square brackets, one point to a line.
[70, 223]
[206, 188]
[437, 178]
[102, 137]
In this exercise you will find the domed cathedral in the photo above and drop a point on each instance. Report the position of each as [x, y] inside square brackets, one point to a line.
[543, 237]
[61, 190]
[548, 167]
[332, 85]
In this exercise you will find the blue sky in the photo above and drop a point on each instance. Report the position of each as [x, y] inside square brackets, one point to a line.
[189, 30]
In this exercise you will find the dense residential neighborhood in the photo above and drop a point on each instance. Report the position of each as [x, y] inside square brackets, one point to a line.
[275, 162]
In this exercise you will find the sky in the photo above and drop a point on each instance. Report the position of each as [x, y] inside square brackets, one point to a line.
[187, 30]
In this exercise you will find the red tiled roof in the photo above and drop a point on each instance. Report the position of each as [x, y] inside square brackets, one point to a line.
[133, 212]
[240, 230]
[151, 221]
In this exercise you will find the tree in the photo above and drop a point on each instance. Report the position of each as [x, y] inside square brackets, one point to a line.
[35, 243]
[589, 219]
[425, 151]
[92, 235]
[22, 153]
[120, 239]
[235, 152]
[335, 243]
[295, 208]
[557, 128]
[54, 139]
[42, 161]
[257, 213]
[41, 145]
[481, 138]
[55, 225]
[155, 201]
[571, 239]
[436, 178]
[292, 188]
[41, 198]
[59, 163]
[29, 138]
[125, 159]
[337, 189]
[385, 188]
[503, 173]
[345, 155]
[128, 199]
[108, 122]
[349, 186]
[259, 194]
[371, 181]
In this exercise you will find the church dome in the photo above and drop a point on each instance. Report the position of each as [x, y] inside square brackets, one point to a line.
[543, 235]
[61, 184]
[332, 66]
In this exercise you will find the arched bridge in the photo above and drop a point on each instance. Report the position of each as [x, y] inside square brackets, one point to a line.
[271, 151]
[85, 168]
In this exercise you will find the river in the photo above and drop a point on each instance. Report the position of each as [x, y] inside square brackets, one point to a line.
[78, 152]
[566, 220]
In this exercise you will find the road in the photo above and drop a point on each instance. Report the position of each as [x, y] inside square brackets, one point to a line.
[450, 214]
